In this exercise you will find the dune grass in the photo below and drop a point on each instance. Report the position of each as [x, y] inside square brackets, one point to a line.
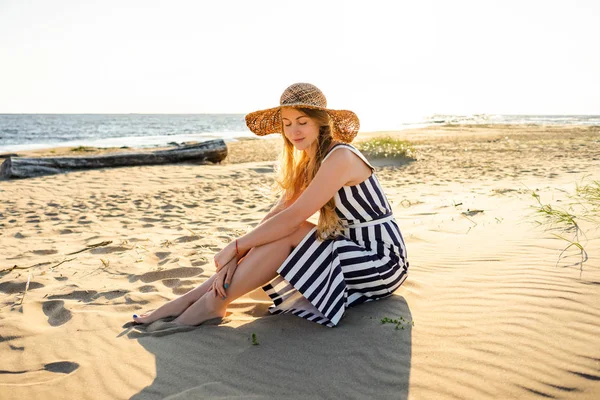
[387, 147]
[81, 149]
[584, 207]
[591, 194]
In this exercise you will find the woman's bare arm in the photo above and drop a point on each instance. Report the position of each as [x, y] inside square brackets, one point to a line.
[339, 169]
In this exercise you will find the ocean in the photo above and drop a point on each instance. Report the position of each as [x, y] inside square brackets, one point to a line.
[19, 132]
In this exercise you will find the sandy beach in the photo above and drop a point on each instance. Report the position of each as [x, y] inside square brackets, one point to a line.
[498, 311]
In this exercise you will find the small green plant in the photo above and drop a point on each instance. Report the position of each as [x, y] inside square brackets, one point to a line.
[591, 194]
[254, 341]
[82, 149]
[584, 207]
[387, 147]
[555, 216]
[400, 323]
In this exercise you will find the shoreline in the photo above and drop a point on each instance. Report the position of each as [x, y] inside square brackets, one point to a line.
[417, 135]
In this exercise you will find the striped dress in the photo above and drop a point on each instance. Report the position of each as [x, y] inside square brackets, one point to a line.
[321, 278]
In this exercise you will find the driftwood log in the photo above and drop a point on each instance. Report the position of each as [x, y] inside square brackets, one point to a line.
[22, 167]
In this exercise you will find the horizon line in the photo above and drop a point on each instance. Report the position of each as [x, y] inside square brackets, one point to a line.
[234, 113]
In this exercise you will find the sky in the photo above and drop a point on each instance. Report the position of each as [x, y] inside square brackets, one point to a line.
[385, 60]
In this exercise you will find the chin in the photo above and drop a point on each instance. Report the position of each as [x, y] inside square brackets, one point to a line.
[301, 147]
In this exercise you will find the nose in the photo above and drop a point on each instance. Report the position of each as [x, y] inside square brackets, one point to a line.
[295, 129]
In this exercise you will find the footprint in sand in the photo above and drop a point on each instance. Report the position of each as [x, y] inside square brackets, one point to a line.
[109, 249]
[183, 272]
[18, 287]
[82, 295]
[56, 312]
[168, 260]
[162, 254]
[111, 295]
[186, 239]
[148, 219]
[51, 369]
[197, 263]
[147, 289]
[178, 291]
[171, 283]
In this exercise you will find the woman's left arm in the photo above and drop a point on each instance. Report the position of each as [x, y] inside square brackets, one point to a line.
[332, 175]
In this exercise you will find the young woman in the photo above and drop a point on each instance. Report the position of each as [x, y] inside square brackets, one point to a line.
[355, 254]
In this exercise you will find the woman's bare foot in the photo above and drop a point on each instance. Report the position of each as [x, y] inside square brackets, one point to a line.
[177, 306]
[207, 307]
[171, 309]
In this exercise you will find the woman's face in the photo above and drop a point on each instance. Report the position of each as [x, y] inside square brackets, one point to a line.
[300, 129]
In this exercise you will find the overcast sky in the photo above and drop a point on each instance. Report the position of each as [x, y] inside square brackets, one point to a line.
[386, 60]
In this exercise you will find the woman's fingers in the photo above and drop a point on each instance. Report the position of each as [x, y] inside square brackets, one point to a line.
[218, 267]
[229, 275]
[223, 257]
[218, 284]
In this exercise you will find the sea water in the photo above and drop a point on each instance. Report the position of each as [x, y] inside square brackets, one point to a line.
[35, 131]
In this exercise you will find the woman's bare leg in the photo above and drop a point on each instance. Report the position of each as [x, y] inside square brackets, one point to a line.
[256, 269]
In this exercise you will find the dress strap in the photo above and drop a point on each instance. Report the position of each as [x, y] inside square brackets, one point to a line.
[352, 149]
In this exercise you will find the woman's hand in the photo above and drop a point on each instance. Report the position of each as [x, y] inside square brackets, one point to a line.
[223, 257]
[226, 262]
[223, 278]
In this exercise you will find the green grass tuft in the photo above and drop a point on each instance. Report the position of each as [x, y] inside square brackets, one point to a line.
[556, 217]
[584, 206]
[387, 147]
[400, 323]
[82, 149]
[590, 193]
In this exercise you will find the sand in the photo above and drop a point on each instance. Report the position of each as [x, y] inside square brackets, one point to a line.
[498, 311]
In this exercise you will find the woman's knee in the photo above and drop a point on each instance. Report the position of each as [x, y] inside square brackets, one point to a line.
[301, 233]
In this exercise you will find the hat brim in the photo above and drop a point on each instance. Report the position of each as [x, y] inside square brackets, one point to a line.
[265, 122]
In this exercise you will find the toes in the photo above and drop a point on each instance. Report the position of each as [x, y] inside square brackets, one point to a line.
[139, 318]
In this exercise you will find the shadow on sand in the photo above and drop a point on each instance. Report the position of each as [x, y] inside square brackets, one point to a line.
[294, 358]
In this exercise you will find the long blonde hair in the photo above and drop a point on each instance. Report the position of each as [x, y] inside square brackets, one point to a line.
[297, 170]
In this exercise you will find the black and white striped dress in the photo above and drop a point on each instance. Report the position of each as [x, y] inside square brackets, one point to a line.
[321, 278]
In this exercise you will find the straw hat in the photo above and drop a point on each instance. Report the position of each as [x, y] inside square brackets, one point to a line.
[304, 95]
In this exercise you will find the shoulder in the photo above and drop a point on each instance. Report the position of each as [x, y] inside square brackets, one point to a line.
[340, 154]
[343, 153]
